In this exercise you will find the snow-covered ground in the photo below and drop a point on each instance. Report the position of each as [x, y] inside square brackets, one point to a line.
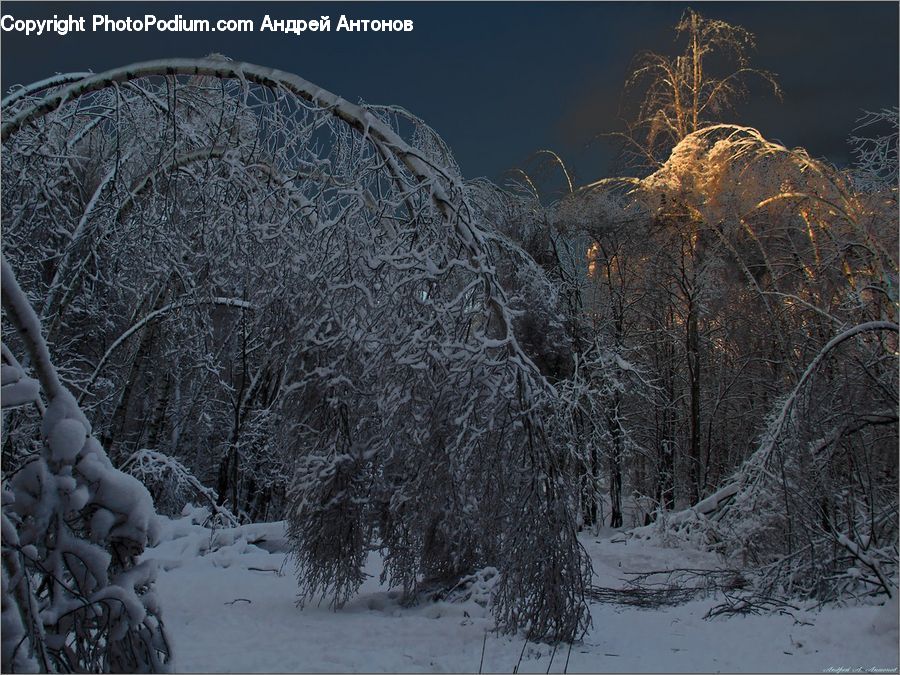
[229, 606]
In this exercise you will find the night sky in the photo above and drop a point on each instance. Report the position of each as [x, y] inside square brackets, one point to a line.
[501, 80]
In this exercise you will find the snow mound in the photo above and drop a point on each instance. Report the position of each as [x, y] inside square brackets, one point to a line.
[184, 539]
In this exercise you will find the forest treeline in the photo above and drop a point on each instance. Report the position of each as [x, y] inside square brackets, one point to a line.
[262, 299]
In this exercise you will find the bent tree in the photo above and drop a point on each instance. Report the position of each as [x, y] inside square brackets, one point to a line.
[252, 274]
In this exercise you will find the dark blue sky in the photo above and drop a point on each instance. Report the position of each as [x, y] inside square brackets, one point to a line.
[501, 80]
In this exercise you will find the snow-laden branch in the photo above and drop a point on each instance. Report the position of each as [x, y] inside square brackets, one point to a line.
[72, 505]
[152, 316]
[390, 144]
[21, 92]
[775, 428]
[28, 326]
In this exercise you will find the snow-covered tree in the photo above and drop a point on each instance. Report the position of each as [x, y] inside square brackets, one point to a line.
[303, 286]
[679, 95]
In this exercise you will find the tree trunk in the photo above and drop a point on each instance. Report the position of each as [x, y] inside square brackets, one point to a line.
[615, 465]
[115, 430]
[693, 359]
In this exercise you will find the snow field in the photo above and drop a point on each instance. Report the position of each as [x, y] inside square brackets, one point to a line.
[228, 599]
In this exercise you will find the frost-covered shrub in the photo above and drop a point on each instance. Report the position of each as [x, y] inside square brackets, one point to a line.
[75, 598]
[173, 486]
